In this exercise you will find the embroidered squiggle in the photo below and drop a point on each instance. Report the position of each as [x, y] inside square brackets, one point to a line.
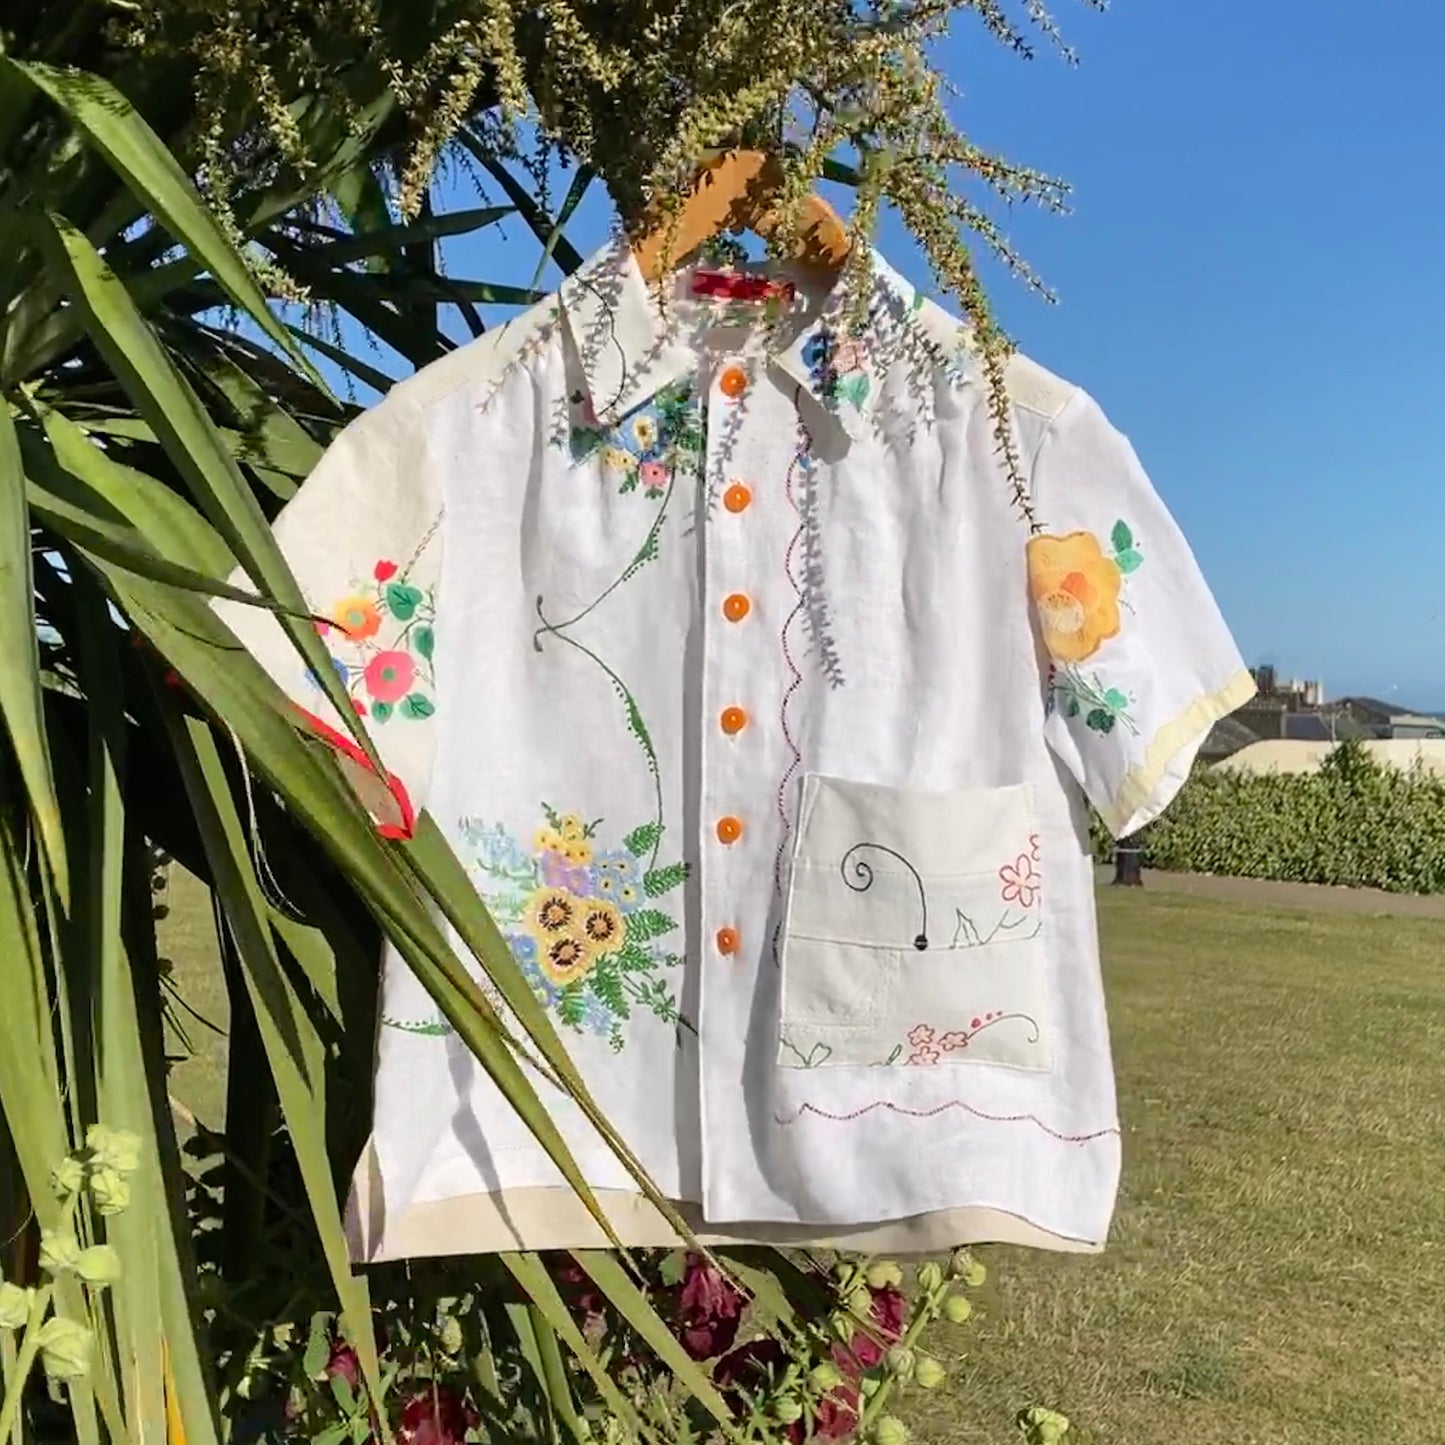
[788, 1119]
[858, 875]
[795, 754]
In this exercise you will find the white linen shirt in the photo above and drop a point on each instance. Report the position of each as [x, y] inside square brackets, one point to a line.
[762, 709]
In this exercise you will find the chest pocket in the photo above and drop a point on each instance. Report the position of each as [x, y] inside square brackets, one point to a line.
[914, 929]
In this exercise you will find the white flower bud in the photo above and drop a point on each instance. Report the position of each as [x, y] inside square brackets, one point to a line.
[64, 1348]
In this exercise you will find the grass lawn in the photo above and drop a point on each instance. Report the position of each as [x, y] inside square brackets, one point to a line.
[1277, 1272]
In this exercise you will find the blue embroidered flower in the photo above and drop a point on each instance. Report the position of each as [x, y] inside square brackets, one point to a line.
[342, 671]
[815, 351]
[641, 433]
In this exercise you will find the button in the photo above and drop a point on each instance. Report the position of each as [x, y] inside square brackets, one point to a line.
[736, 607]
[727, 940]
[737, 497]
[733, 720]
[729, 830]
[733, 382]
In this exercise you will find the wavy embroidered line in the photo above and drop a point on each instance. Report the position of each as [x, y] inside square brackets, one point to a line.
[786, 1120]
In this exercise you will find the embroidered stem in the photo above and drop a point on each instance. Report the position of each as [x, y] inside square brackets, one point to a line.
[863, 871]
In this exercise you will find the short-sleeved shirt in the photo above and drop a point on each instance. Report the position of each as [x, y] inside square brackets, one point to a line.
[764, 710]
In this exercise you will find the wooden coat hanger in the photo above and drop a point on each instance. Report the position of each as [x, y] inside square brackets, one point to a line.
[739, 192]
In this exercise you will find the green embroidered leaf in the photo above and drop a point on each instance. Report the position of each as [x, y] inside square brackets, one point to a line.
[402, 600]
[1129, 560]
[425, 641]
[572, 1005]
[1101, 720]
[644, 839]
[663, 880]
[1071, 707]
[417, 705]
[633, 958]
[648, 923]
[380, 711]
[1117, 700]
[608, 988]
[1122, 537]
[852, 389]
[629, 483]
[584, 441]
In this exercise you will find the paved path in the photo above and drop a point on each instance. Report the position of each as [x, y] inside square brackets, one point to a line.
[1263, 893]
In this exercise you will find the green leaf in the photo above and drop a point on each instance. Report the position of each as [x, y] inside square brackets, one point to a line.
[1117, 700]
[657, 881]
[402, 600]
[1129, 560]
[633, 958]
[648, 923]
[138, 156]
[318, 1347]
[417, 705]
[381, 711]
[1122, 537]
[643, 840]
[424, 640]
[1100, 719]
[20, 695]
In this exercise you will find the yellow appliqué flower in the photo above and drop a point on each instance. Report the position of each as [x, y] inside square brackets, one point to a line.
[602, 925]
[1075, 588]
[566, 959]
[644, 431]
[615, 459]
[551, 913]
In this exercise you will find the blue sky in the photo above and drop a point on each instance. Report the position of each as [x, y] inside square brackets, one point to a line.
[1250, 283]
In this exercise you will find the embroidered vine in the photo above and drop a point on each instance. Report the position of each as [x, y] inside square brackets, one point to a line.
[382, 636]
[928, 1046]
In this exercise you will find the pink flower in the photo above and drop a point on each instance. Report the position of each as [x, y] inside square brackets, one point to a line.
[847, 356]
[654, 476]
[559, 872]
[435, 1415]
[924, 1054]
[343, 1364]
[389, 675]
[954, 1039]
[709, 1308]
[1021, 881]
[920, 1034]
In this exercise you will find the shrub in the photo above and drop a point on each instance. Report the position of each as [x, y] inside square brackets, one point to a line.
[1355, 823]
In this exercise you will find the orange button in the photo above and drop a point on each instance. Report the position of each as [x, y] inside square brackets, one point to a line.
[733, 720]
[727, 940]
[729, 830]
[736, 607]
[737, 497]
[733, 382]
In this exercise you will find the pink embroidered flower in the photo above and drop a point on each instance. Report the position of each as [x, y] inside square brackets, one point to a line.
[389, 675]
[924, 1054]
[954, 1039]
[654, 476]
[1021, 881]
[920, 1034]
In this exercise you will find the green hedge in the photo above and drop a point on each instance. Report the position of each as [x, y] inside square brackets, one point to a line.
[1355, 823]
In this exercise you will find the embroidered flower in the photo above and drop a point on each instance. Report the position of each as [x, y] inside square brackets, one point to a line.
[570, 827]
[1021, 881]
[602, 925]
[1075, 588]
[550, 913]
[567, 959]
[815, 351]
[358, 617]
[641, 432]
[384, 571]
[924, 1054]
[629, 897]
[558, 871]
[847, 356]
[615, 459]
[654, 476]
[920, 1034]
[548, 840]
[953, 1039]
[389, 675]
[577, 851]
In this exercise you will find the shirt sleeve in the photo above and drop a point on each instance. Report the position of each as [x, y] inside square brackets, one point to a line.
[1139, 663]
[363, 538]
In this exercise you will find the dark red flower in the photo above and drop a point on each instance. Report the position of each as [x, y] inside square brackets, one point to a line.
[435, 1415]
[344, 1364]
[709, 1309]
[384, 571]
[866, 1349]
[837, 1414]
[577, 1288]
[889, 1310]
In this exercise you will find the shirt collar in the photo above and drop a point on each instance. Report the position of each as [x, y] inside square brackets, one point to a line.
[629, 350]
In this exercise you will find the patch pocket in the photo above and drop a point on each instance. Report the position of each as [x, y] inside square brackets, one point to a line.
[914, 929]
